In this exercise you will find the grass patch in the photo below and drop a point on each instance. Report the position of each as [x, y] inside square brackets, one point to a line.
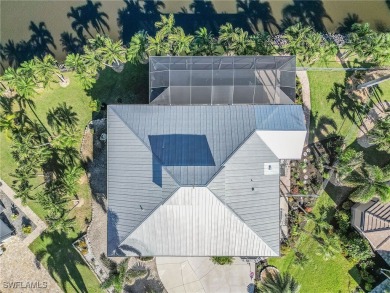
[65, 265]
[55, 250]
[317, 275]
[326, 121]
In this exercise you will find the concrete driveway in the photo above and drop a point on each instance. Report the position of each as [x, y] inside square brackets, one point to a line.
[200, 275]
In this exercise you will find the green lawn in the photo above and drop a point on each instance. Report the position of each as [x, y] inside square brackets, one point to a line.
[326, 89]
[319, 275]
[326, 121]
[63, 262]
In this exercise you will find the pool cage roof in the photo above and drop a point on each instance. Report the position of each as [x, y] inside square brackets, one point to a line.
[175, 80]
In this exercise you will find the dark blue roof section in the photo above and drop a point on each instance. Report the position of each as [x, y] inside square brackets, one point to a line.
[192, 142]
[5, 231]
[281, 117]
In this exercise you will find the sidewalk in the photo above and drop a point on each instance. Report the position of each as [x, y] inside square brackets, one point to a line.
[304, 79]
[18, 265]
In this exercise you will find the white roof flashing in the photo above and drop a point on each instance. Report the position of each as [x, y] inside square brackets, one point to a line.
[284, 144]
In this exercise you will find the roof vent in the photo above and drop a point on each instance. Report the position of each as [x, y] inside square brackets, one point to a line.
[271, 168]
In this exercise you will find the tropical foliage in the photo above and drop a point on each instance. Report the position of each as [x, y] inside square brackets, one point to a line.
[222, 260]
[280, 282]
[380, 134]
[369, 182]
[119, 274]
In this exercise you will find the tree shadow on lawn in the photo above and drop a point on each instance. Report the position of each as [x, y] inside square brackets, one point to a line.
[62, 260]
[131, 86]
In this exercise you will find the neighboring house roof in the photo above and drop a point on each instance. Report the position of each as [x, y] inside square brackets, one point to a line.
[2, 208]
[213, 80]
[207, 168]
[372, 219]
[383, 287]
[5, 231]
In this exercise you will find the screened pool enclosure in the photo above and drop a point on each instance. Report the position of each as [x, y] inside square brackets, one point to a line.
[175, 80]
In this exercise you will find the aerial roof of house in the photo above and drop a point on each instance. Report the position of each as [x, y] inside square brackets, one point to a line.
[372, 219]
[199, 180]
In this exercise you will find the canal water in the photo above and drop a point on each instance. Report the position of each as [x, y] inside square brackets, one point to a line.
[16, 15]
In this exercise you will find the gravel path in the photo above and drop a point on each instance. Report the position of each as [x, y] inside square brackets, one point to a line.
[304, 79]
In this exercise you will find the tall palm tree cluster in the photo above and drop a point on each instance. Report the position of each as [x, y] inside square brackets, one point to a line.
[303, 41]
[369, 45]
[38, 146]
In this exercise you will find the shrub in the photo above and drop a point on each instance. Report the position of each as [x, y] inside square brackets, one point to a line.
[82, 244]
[222, 260]
[357, 248]
[26, 229]
[146, 258]
[343, 221]
[14, 216]
[347, 205]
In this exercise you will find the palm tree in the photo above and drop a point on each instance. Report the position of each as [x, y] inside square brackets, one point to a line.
[303, 42]
[69, 179]
[263, 44]
[359, 41]
[321, 224]
[226, 36]
[369, 182]
[349, 161]
[180, 42]
[61, 224]
[46, 68]
[21, 183]
[204, 44]
[165, 25]
[40, 39]
[280, 283]
[158, 45]
[52, 201]
[380, 134]
[329, 247]
[112, 54]
[241, 43]
[121, 275]
[137, 48]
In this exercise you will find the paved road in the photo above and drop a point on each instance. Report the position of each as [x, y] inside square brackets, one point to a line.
[200, 275]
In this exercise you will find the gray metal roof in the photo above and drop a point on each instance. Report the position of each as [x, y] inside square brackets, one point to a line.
[246, 189]
[193, 222]
[5, 231]
[213, 80]
[192, 142]
[154, 151]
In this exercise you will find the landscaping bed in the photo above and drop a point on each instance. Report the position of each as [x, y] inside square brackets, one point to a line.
[15, 218]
